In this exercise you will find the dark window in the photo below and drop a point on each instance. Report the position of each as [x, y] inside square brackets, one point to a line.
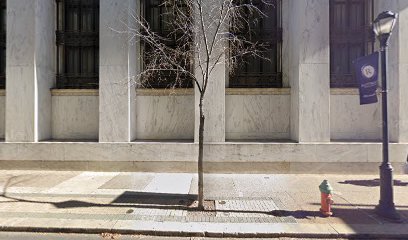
[255, 71]
[160, 16]
[78, 43]
[3, 26]
[350, 37]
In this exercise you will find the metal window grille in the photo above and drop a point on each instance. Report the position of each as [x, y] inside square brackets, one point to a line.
[160, 18]
[350, 37]
[78, 44]
[265, 71]
[3, 26]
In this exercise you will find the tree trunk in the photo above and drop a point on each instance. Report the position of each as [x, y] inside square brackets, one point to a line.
[200, 157]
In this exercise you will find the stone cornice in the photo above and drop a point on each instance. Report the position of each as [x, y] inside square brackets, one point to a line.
[344, 91]
[74, 92]
[164, 92]
[258, 91]
[347, 91]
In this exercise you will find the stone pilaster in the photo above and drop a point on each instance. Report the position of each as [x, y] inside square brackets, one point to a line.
[214, 99]
[118, 66]
[308, 33]
[30, 69]
[397, 70]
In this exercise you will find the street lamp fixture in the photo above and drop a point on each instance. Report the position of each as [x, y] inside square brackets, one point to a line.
[382, 27]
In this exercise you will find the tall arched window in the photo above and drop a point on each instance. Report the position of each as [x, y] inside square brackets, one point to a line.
[3, 27]
[78, 43]
[351, 37]
[264, 71]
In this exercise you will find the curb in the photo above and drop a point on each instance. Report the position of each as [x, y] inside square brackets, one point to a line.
[214, 234]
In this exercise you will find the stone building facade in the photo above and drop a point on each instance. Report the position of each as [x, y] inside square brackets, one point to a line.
[306, 125]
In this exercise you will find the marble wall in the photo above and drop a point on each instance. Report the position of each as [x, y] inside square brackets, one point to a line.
[397, 69]
[257, 117]
[45, 63]
[214, 100]
[248, 117]
[75, 117]
[30, 69]
[308, 34]
[2, 115]
[351, 121]
[118, 66]
[20, 68]
[165, 117]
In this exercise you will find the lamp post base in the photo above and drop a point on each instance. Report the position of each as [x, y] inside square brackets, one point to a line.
[388, 212]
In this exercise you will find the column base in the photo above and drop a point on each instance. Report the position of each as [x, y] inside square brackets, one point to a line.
[388, 212]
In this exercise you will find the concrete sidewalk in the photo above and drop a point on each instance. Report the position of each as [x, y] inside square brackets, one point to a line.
[239, 205]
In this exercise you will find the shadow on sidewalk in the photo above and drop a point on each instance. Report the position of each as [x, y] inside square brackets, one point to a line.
[139, 200]
[347, 213]
[372, 183]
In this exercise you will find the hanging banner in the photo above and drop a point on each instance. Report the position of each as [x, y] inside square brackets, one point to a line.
[366, 72]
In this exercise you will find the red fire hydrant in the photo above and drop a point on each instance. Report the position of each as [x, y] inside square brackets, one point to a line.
[326, 198]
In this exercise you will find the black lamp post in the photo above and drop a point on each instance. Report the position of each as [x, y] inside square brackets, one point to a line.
[382, 27]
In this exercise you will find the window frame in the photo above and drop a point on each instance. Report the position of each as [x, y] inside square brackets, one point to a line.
[75, 43]
[351, 37]
[164, 78]
[262, 79]
[3, 44]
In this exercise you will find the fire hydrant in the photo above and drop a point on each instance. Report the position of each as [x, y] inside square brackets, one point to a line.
[326, 198]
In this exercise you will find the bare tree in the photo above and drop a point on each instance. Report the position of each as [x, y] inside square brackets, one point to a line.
[196, 37]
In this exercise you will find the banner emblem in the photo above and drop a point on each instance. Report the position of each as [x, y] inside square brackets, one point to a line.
[366, 72]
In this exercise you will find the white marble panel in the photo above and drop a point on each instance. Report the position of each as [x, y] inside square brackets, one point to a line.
[374, 153]
[403, 122]
[44, 60]
[214, 107]
[403, 70]
[165, 117]
[314, 103]
[178, 152]
[20, 104]
[115, 31]
[45, 81]
[214, 99]
[117, 104]
[397, 69]
[260, 152]
[118, 67]
[394, 104]
[341, 153]
[308, 31]
[30, 69]
[246, 157]
[32, 151]
[2, 116]
[403, 30]
[351, 121]
[315, 31]
[45, 24]
[257, 117]
[21, 32]
[75, 117]
[398, 153]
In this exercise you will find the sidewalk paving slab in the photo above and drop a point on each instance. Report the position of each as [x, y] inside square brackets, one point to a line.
[242, 205]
